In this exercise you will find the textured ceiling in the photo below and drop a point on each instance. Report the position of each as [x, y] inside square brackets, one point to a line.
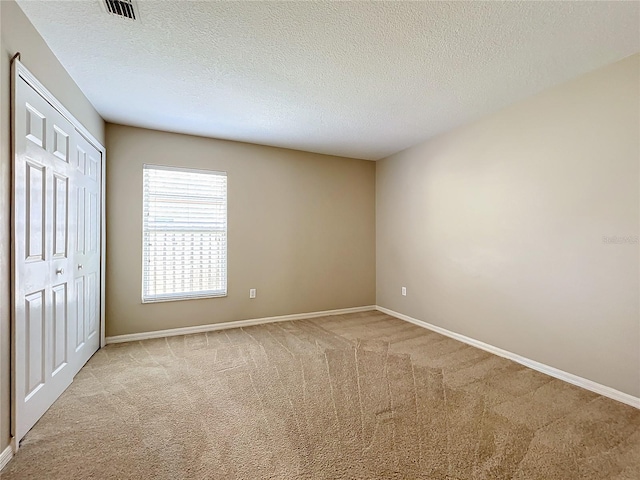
[355, 79]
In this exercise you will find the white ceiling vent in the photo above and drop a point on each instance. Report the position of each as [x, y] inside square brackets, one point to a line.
[121, 8]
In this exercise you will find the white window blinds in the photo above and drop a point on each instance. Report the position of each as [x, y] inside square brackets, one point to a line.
[184, 234]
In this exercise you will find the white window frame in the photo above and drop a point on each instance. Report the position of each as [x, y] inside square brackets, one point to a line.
[178, 296]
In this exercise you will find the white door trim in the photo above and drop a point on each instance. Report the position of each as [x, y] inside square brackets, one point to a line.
[20, 72]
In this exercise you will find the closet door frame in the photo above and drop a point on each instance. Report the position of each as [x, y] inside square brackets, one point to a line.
[19, 71]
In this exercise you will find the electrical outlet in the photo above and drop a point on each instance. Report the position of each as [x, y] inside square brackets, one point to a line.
[404, 291]
[252, 293]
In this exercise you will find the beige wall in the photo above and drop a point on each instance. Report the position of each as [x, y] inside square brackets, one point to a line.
[301, 230]
[18, 35]
[496, 228]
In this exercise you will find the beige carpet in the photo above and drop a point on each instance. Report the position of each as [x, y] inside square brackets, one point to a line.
[362, 396]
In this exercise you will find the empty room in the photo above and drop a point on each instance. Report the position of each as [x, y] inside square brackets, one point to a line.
[319, 240]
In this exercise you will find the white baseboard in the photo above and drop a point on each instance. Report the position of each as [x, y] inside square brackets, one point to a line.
[135, 337]
[6, 456]
[540, 367]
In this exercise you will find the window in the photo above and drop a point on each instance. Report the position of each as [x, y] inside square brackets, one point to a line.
[184, 234]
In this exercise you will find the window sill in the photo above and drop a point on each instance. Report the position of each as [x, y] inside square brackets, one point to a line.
[181, 299]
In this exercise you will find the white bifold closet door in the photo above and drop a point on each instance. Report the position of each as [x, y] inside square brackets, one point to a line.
[56, 255]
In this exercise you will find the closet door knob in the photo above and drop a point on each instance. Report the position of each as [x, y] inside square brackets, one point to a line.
[60, 271]
[79, 266]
